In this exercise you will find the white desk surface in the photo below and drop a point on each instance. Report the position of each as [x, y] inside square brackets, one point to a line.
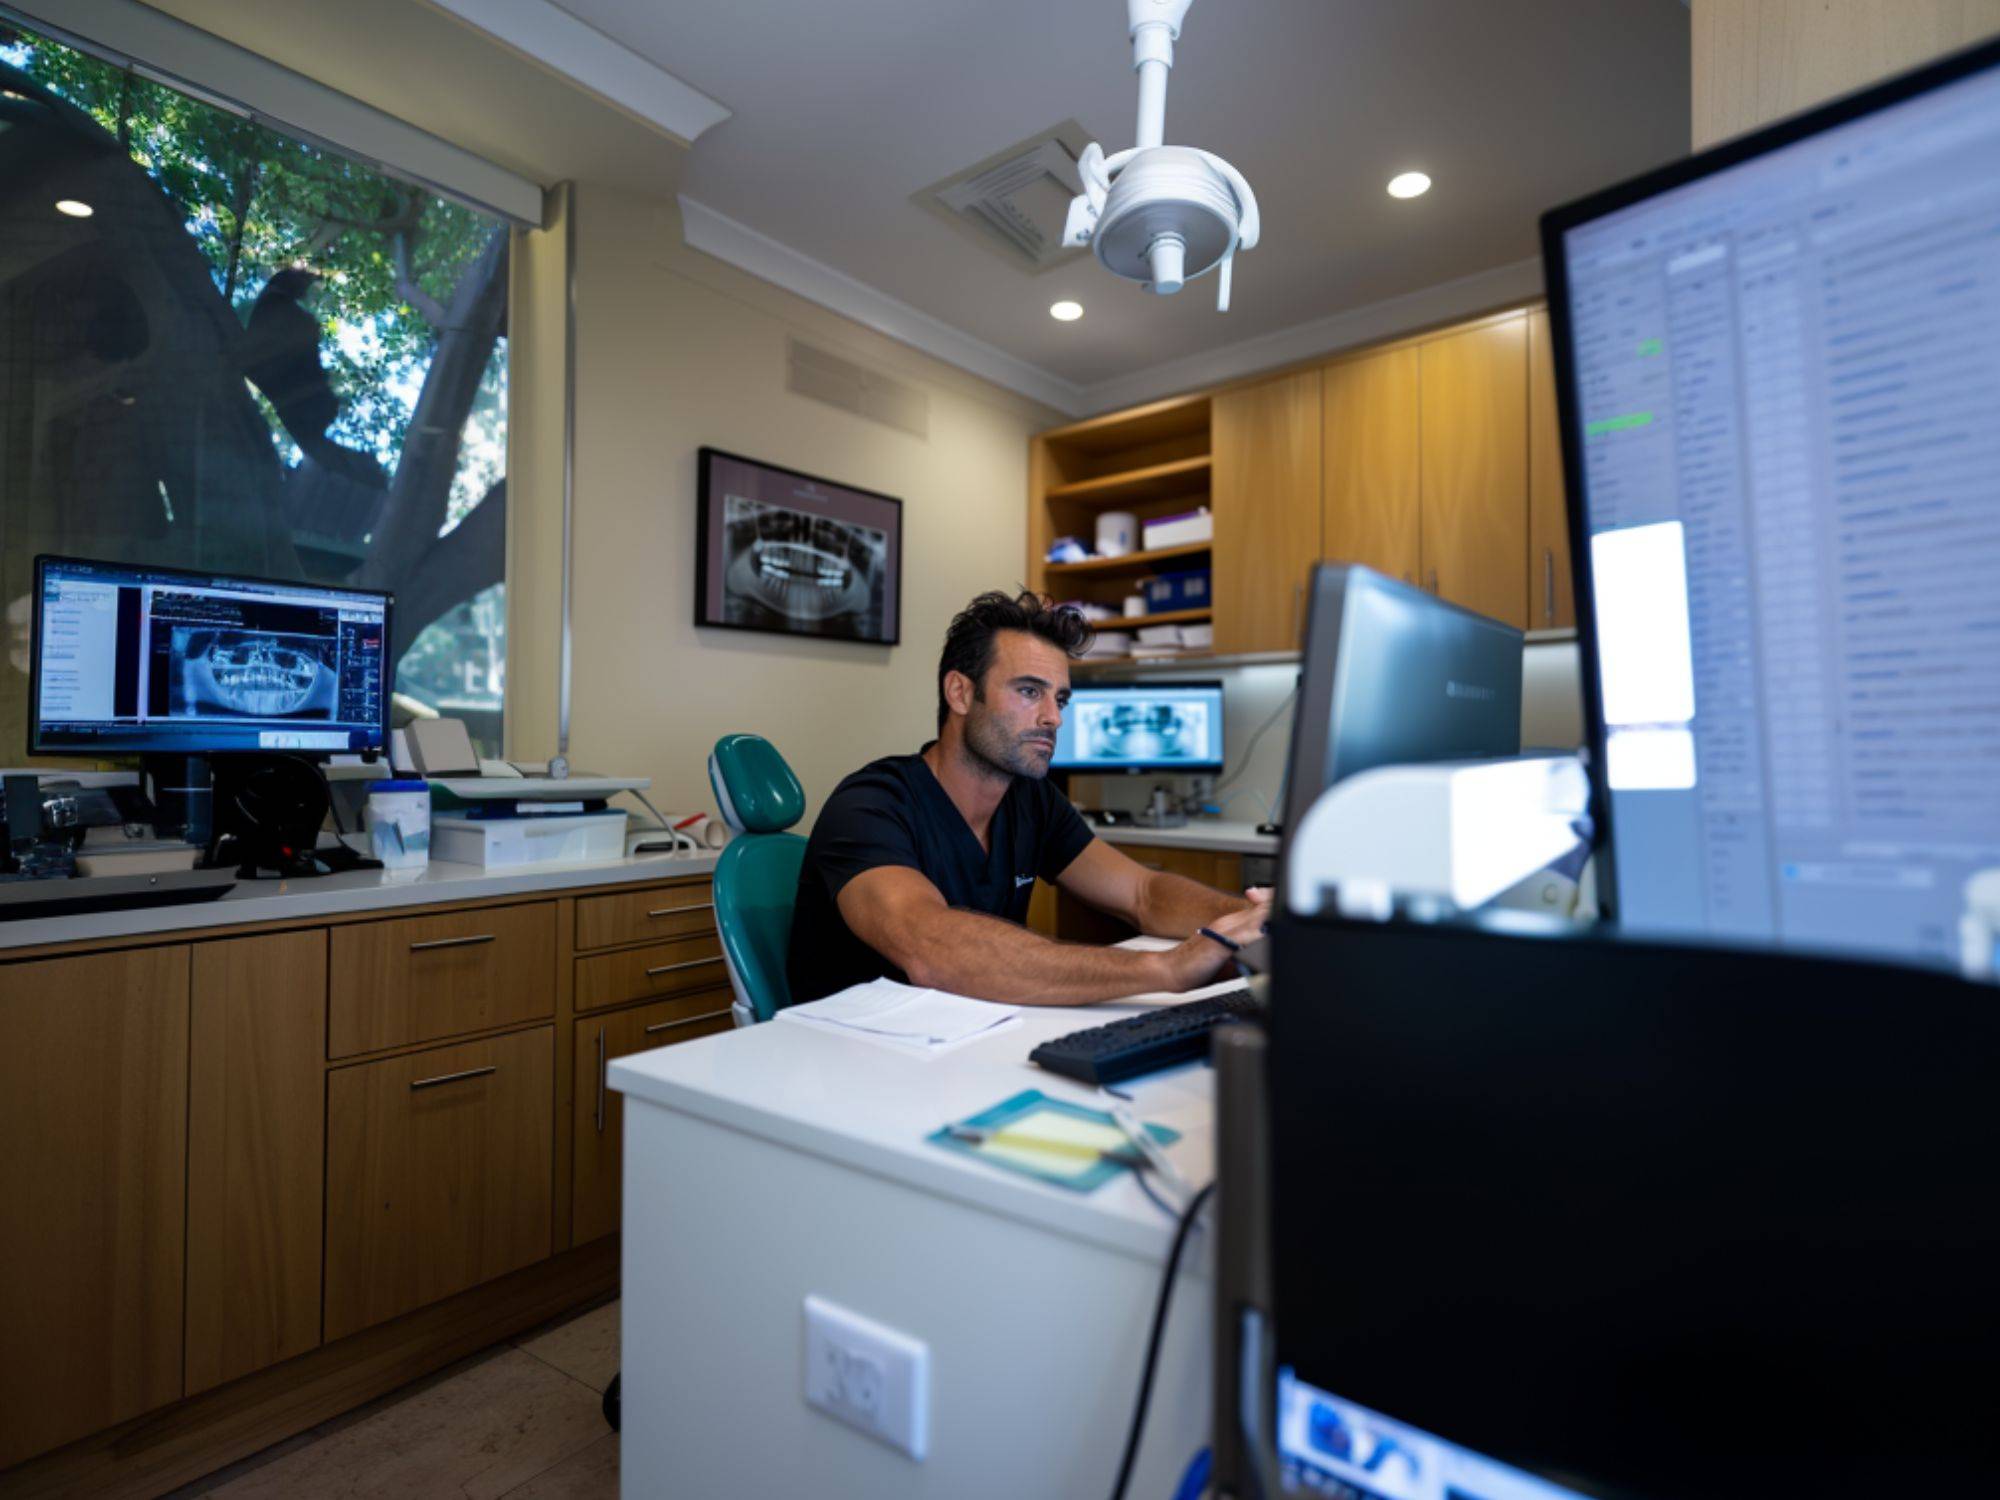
[353, 891]
[1200, 833]
[869, 1107]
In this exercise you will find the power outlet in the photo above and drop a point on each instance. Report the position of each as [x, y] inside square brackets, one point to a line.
[868, 1375]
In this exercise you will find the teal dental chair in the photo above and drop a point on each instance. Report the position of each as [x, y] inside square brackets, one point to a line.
[757, 876]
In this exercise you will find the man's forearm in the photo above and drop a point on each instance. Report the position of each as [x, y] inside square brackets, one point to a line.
[1174, 906]
[969, 953]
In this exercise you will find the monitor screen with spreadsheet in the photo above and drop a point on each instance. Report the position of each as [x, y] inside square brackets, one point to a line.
[128, 657]
[1780, 385]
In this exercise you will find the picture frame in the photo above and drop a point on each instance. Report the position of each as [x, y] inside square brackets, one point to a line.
[783, 552]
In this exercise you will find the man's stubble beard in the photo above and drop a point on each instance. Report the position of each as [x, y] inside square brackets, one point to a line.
[998, 752]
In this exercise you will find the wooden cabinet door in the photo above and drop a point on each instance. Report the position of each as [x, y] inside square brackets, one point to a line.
[1551, 596]
[599, 1119]
[439, 1169]
[1267, 511]
[644, 916]
[1475, 468]
[93, 1184]
[256, 1153]
[1372, 498]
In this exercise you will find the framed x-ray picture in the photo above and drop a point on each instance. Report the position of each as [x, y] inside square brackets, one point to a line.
[794, 554]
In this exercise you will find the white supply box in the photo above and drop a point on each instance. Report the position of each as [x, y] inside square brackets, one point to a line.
[505, 843]
[1180, 531]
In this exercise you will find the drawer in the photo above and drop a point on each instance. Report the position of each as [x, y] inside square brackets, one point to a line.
[693, 963]
[439, 1169]
[418, 978]
[636, 916]
[599, 1119]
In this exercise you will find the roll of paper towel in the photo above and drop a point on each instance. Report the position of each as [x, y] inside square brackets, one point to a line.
[1117, 533]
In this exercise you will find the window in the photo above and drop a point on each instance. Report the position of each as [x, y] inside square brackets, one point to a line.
[224, 348]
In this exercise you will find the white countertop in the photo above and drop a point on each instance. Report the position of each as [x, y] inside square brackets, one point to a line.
[870, 1107]
[1199, 833]
[354, 891]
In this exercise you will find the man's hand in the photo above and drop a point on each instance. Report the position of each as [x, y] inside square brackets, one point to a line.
[1198, 960]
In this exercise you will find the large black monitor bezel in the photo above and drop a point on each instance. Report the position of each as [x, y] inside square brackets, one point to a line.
[1154, 768]
[1556, 224]
[195, 575]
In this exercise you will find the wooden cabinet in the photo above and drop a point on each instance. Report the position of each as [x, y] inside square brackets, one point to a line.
[256, 1153]
[415, 979]
[1267, 511]
[647, 973]
[1073, 921]
[1551, 592]
[439, 1171]
[93, 1114]
[1371, 509]
[1475, 467]
[641, 916]
[598, 1126]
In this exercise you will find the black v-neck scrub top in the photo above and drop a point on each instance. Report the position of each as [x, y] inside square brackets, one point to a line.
[894, 812]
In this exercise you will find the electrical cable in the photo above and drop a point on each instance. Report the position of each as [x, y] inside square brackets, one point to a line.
[1256, 736]
[1188, 1217]
[1139, 1176]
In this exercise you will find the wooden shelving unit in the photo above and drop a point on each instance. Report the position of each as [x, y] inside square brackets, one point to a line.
[1131, 565]
[1137, 486]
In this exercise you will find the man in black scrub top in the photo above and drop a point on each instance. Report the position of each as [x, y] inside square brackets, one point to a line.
[920, 866]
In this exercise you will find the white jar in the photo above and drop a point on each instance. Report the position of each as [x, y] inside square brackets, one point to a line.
[398, 818]
[1117, 533]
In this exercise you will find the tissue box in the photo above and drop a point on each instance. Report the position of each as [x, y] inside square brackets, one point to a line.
[1187, 589]
[1179, 531]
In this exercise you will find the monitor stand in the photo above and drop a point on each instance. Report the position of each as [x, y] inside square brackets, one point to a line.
[182, 791]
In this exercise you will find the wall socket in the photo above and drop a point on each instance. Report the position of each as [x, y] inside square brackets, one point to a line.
[868, 1375]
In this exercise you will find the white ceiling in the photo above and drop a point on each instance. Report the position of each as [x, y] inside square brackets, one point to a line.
[841, 109]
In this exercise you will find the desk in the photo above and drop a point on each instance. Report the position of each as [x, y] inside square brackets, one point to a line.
[773, 1162]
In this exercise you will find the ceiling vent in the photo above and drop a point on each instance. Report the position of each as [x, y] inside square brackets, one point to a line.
[827, 377]
[1014, 203]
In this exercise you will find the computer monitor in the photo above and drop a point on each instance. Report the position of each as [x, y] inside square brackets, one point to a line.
[1395, 676]
[1115, 728]
[131, 658]
[1779, 377]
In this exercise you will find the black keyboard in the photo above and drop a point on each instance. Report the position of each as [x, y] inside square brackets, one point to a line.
[1151, 1040]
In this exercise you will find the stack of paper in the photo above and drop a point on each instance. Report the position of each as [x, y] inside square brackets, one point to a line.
[923, 1022]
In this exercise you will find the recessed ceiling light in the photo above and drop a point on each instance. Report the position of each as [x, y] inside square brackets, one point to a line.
[1409, 185]
[1066, 312]
[74, 207]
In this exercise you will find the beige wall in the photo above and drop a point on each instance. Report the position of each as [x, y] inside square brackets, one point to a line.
[1756, 61]
[674, 351]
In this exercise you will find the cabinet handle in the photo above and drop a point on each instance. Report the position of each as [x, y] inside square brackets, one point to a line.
[600, 1080]
[675, 911]
[1298, 613]
[693, 963]
[460, 942]
[1146, 864]
[1434, 580]
[707, 1015]
[1549, 584]
[431, 1083]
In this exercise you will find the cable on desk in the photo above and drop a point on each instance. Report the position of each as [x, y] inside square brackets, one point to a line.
[1139, 1176]
[1192, 1212]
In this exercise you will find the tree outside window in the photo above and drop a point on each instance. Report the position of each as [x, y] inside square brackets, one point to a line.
[254, 355]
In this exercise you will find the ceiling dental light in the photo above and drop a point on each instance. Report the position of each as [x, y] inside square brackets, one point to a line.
[1161, 215]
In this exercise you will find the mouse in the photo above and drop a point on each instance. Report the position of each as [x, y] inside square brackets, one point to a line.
[1269, 830]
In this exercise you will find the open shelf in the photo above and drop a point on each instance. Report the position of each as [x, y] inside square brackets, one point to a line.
[1136, 486]
[1131, 562]
[1164, 617]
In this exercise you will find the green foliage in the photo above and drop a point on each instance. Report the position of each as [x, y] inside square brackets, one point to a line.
[257, 202]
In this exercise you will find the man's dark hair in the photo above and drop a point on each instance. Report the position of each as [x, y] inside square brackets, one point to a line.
[968, 644]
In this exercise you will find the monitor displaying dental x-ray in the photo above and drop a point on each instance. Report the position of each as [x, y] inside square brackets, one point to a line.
[134, 658]
[1113, 728]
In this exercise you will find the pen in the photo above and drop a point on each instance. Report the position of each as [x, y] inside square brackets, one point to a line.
[973, 1135]
[1149, 1148]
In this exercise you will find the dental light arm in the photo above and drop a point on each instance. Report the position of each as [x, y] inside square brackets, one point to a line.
[1157, 214]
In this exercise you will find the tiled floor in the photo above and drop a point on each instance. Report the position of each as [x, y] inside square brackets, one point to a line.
[522, 1421]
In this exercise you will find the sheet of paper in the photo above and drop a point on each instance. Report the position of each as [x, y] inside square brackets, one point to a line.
[903, 1016]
